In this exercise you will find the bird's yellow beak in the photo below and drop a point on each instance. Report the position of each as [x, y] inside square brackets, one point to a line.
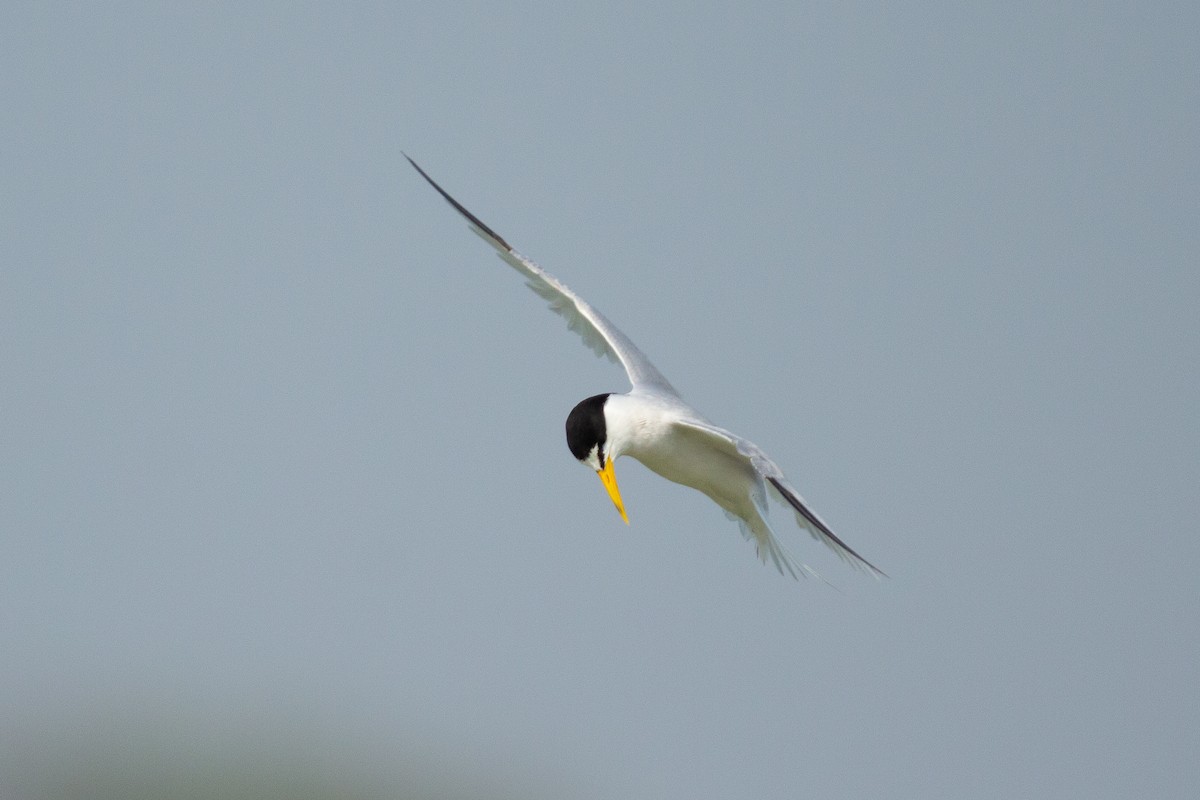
[609, 479]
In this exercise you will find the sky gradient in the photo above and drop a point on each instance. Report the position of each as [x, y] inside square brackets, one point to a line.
[282, 441]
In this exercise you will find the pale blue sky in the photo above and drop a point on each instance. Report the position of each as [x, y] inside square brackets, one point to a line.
[282, 441]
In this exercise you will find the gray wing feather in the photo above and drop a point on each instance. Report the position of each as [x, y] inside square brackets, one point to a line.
[600, 335]
[783, 492]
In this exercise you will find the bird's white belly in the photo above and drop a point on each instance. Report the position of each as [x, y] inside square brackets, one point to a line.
[691, 461]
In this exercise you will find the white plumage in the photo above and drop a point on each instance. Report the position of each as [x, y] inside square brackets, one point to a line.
[653, 424]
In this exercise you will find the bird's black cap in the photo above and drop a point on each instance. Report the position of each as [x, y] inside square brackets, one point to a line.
[586, 428]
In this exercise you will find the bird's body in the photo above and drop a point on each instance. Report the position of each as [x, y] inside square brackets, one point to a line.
[654, 425]
[655, 430]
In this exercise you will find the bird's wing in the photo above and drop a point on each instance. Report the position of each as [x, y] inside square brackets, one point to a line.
[604, 338]
[783, 492]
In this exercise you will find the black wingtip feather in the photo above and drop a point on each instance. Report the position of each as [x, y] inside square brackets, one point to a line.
[476, 221]
[815, 521]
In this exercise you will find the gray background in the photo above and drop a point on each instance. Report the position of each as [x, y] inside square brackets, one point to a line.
[284, 481]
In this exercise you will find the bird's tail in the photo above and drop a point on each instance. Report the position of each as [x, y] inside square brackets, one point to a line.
[770, 550]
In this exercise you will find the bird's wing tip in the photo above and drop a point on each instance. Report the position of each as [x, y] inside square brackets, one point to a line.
[496, 240]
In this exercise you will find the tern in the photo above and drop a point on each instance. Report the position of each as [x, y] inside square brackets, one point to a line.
[652, 424]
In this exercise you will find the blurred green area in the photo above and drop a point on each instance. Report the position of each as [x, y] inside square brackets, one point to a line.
[156, 759]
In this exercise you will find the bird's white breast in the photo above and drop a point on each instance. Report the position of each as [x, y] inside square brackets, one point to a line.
[645, 428]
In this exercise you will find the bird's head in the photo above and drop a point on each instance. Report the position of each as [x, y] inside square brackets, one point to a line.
[587, 438]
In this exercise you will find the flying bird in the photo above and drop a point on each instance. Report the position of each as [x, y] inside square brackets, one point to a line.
[654, 425]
